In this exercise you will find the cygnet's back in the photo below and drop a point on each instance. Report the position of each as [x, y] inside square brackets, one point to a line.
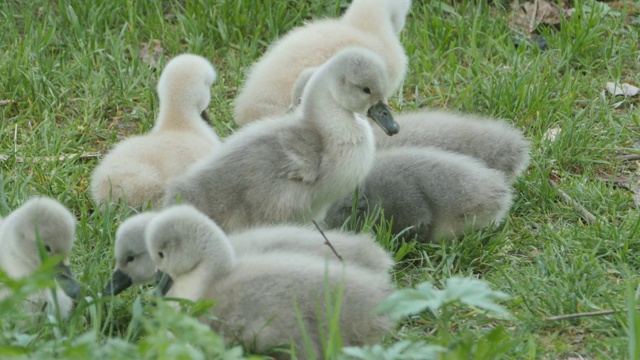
[440, 194]
[373, 24]
[355, 249]
[292, 169]
[46, 221]
[499, 144]
[139, 167]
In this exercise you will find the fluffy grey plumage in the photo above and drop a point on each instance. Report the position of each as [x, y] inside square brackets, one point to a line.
[139, 167]
[52, 223]
[438, 193]
[292, 169]
[499, 144]
[257, 296]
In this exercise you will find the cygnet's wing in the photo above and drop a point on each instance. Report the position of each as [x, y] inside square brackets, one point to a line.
[301, 150]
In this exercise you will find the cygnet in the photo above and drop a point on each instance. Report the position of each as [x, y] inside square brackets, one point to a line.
[139, 167]
[259, 298]
[435, 194]
[291, 169]
[41, 227]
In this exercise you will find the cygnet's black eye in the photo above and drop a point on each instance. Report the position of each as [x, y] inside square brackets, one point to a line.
[367, 90]
[130, 258]
[161, 255]
[48, 248]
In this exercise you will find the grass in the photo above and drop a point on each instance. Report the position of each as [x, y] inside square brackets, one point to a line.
[77, 85]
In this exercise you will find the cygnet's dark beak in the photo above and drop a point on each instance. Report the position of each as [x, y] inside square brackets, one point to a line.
[205, 116]
[67, 282]
[163, 283]
[381, 114]
[119, 282]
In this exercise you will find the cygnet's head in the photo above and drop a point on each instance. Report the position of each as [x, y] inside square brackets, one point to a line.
[358, 82]
[133, 263]
[181, 238]
[186, 83]
[41, 227]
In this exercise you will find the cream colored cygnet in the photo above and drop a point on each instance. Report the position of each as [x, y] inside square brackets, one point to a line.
[429, 193]
[258, 297]
[139, 167]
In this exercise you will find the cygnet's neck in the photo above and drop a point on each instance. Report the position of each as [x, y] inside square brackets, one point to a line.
[336, 124]
[179, 115]
[370, 16]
